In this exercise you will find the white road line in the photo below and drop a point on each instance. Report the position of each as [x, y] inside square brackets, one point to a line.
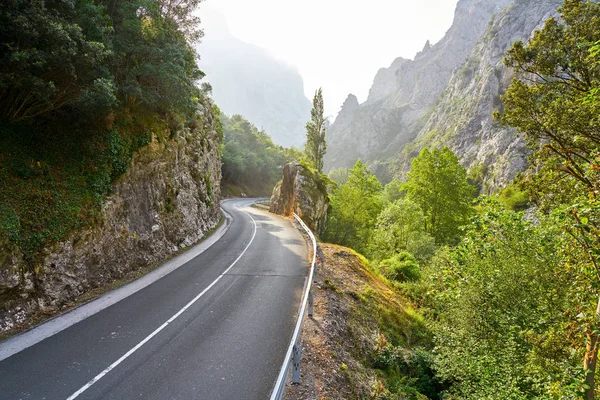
[163, 326]
[58, 324]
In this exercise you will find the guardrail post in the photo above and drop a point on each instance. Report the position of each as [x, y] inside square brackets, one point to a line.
[311, 302]
[316, 272]
[296, 364]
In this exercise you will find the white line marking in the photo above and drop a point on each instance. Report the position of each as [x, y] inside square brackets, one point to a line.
[163, 326]
[55, 325]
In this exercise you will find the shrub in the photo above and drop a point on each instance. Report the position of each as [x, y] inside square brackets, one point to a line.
[401, 267]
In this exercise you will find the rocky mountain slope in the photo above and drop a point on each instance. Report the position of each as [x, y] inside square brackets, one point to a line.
[403, 94]
[463, 121]
[444, 97]
[168, 200]
[247, 80]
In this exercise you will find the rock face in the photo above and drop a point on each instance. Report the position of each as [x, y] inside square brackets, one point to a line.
[463, 121]
[247, 80]
[303, 192]
[403, 95]
[168, 200]
[445, 97]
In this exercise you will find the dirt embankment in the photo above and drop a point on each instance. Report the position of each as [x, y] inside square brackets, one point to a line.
[357, 313]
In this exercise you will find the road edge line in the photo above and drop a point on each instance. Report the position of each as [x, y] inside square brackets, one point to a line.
[164, 325]
[53, 326]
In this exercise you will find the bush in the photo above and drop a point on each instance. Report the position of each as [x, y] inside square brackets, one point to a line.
[514, 198]
[401, 267]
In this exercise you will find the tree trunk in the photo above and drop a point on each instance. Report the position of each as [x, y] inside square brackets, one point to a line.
[591, 356]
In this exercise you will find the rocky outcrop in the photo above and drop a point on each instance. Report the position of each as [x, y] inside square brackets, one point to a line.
[463, 120]
[301, 191]
[404, 94]
[168, 200]
[446, 96]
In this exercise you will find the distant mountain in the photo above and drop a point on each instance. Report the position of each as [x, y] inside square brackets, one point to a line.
[247, 80]
[444, 97]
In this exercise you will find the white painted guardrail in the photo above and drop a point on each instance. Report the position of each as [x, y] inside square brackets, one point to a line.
[292, 356]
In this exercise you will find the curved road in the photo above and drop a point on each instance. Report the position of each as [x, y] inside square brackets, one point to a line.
[184, 336]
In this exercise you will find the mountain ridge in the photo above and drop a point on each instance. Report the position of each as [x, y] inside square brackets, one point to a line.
[415, 103]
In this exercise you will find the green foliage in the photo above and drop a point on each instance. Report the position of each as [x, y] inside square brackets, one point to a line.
[393, 191]
[513, 198]
[438, 184]
[85, 58]
[250, 158]
[354, 209]
[553, 107]
[401, 267]
[553, 102]
[316, 146]
[45, 48]
[410, 372]
[401, 227]
[51, 188]
[502, 306]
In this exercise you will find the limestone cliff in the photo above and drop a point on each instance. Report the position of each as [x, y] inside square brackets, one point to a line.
[463, 121]
[168, 200]
[301, 191]
[404, 94]
[445, 97]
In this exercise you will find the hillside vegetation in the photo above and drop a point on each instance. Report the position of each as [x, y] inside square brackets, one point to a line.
[365, 341]
[251, 161]
[83, 85]
[506, 284]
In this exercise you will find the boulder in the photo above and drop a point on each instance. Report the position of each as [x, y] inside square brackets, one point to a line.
[304, 192]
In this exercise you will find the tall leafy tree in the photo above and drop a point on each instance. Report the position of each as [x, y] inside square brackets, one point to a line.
[503, 310]
[51, 54]
[553, 101]
[355, 207]
[401, 226]
[316, 146]
[438, 184]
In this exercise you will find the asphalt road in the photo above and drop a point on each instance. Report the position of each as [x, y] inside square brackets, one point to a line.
[223, 340]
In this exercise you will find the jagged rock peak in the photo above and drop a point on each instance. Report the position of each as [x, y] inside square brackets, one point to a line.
[348, 109]
[351, 103]
[426, 48]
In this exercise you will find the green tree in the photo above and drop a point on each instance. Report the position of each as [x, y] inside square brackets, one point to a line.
[438, 184]
[401, 227]
[393, 191]
[316, 146]
[355, 207]
[553, 102]
[251, 160]
[503, 310]
[52, 53]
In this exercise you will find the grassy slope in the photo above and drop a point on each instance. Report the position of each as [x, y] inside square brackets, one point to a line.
[364, 339]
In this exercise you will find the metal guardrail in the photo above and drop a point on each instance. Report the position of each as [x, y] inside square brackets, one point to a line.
[293, 352]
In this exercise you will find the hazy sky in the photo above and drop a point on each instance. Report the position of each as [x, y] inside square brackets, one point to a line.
[337, 44]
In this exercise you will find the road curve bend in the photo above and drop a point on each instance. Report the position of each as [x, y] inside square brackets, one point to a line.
[217, 327]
